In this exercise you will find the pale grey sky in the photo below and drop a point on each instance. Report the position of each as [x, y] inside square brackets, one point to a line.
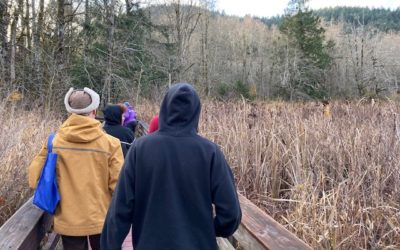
[273, 7]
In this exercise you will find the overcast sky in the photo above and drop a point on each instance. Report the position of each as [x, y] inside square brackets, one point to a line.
[274, 7]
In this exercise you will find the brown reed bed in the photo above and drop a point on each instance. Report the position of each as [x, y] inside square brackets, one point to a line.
[22, 134]
[332, 180]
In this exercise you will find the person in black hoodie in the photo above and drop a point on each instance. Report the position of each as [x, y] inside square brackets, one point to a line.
[168, 183]
[113, 126]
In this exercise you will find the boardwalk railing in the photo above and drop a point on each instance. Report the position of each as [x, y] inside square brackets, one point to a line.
[30, 228]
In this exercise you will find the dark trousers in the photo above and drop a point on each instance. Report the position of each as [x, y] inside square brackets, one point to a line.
[80, 242]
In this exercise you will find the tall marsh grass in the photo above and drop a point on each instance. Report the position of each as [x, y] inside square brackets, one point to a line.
[332, 180]
[22, 134]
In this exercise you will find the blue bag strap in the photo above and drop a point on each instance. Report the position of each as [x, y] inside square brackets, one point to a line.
[50, 142]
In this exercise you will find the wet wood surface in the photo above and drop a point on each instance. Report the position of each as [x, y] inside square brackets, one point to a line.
[258, 230]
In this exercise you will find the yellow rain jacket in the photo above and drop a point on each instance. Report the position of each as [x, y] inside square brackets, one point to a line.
[88, 166]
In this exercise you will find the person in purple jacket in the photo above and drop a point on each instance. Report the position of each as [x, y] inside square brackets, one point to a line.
[129, 117]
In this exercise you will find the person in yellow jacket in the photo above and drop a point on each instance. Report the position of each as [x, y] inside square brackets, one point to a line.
[88, 166]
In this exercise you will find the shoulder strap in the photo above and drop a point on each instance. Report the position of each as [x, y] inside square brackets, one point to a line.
[50, 142]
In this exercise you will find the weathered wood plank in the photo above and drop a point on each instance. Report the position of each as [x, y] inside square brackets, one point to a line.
[224, 244]
[247, 240]
[25, 229]
[52, 241]
[260, 231]
[142, 128]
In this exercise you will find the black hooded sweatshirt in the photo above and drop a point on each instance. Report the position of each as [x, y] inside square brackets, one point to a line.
[113, 127]
[169, 182]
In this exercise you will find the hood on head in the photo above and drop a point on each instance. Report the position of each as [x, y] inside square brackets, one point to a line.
[113, 114]
[180, 110]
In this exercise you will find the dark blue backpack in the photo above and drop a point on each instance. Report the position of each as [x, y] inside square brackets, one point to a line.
[46, 194]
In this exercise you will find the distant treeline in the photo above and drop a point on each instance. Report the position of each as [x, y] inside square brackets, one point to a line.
[126, 51]
[383, 19]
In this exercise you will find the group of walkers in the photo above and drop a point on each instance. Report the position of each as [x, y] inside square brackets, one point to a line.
[174, 188]
[120, 122]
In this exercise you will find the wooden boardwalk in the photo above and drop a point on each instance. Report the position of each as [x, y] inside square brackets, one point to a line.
[128, 244]
[30, 228]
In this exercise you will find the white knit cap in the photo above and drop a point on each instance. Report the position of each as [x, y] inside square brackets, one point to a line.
[94, 105]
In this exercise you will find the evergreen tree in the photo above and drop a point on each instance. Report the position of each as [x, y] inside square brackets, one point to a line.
[134, 67]
[306, 39]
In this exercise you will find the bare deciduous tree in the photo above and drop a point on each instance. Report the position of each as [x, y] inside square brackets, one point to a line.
[109, 6]
[183, 18]
[4, 21]
[14, 25]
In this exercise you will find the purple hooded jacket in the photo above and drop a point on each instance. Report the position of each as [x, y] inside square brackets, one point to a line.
[129, 115]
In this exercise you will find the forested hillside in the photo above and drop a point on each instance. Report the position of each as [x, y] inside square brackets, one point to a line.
[382, 19]
[123, 49]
